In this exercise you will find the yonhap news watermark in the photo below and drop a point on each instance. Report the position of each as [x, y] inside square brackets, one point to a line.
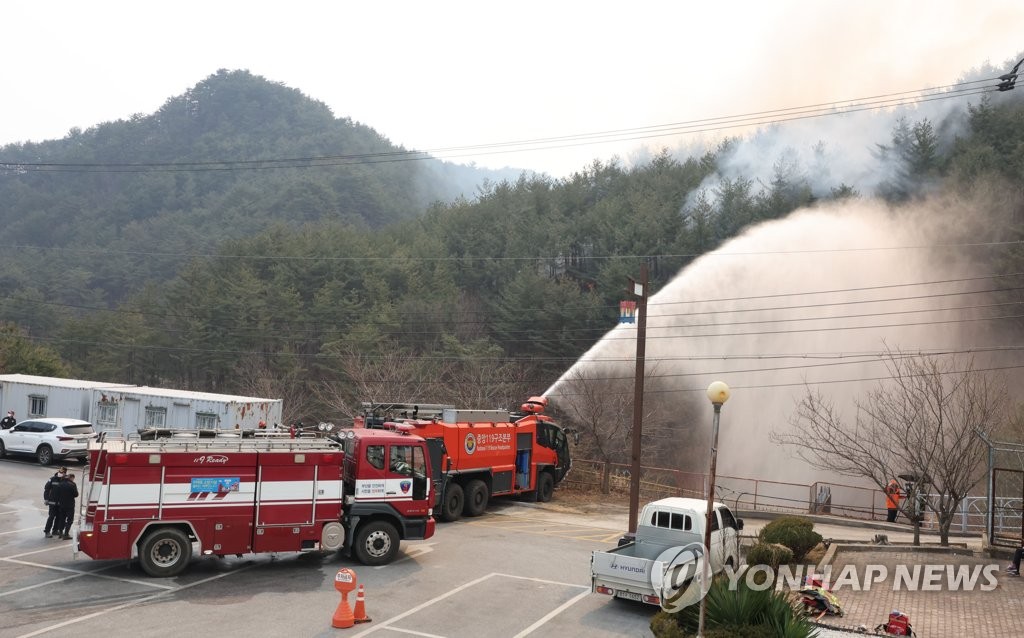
[900, 577]
[683, 581]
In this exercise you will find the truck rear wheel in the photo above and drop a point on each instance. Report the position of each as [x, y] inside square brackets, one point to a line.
[165, 552]
[477, 496]
[545, 487]
[451, 502]
[376, 543]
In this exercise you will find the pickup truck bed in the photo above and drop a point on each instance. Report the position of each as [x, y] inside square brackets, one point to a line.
[636, 570]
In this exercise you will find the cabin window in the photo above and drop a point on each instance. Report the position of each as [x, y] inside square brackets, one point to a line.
[728, 520]
[681, 521]
[206, 421]
[375, 456]
[155, 417]
[672, 520]
[401, 459]
[36, 406]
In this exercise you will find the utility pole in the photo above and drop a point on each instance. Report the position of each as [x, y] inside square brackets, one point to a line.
[639, 289]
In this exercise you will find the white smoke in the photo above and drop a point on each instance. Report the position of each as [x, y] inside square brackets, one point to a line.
[812, 298]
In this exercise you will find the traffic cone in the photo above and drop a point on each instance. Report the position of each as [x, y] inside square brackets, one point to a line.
[359, 615]
[343, 614]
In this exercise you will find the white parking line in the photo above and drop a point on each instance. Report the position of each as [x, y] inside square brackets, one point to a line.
[387, 623]
[133, 603]
[87, 573]
[53, 582]
[18, 531]
[414, 633]
[51, 548]
[19, 510]
[554, 612]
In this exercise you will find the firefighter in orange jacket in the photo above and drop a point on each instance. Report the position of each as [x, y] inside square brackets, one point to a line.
[892, 499]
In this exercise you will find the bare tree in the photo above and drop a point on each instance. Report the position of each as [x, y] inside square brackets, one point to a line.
[922, 422]
[601, 410]
[388, 376]
[487, 383]
[400, 377]
[288, 383]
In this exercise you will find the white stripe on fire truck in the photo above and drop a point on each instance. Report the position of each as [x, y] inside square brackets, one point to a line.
[120, 494]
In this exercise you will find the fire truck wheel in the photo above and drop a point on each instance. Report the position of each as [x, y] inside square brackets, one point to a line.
[44, 454]
[376, 543]
[165, 552]
[545, 487]
[451, 502]
[476, 498]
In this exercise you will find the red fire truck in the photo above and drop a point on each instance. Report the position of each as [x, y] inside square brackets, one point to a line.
[477, 454]
[155, 499]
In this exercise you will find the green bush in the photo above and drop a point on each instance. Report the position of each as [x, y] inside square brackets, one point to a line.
[743, 613]
[665, 625]
[771, 554]
[795, 532]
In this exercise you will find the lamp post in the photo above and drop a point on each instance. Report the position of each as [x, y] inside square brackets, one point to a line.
[718, 394]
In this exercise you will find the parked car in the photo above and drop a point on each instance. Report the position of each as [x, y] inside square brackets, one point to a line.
[48, 439]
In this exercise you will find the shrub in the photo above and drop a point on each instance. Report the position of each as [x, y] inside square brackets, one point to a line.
[743, 613]
[665, 625]
[771, 554]
[795, 532]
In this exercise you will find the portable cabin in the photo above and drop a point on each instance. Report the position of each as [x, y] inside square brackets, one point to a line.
[131, 409]
[33, 396]
[127, 409]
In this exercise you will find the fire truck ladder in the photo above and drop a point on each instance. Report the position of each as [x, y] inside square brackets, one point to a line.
[88, 505]
[187, 440]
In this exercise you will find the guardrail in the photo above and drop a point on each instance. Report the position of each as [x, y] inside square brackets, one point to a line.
[822, 497]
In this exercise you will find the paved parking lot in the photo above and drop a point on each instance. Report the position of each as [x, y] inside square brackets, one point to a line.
[509, 573]
[521, 570]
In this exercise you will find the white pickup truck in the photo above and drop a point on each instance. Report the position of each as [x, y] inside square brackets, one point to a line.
[636, 570]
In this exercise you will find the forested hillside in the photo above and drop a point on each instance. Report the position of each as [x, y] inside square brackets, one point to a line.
[94, 216]
[327, 285]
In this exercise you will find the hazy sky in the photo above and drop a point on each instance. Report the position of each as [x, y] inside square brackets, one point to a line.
[431, 75]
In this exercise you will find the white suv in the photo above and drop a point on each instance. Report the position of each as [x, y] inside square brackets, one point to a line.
[48, 439]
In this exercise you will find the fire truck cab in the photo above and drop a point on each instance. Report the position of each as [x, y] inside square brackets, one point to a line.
[161, 500]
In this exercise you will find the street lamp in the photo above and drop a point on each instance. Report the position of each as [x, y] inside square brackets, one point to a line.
[718, 394]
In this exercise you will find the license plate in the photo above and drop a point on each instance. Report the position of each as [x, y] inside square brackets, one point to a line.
[629, 595]
[81, 440]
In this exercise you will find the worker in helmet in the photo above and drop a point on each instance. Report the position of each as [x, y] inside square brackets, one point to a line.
[892, 500]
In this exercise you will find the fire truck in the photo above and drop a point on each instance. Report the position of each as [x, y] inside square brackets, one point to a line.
[156, 499]
[477, 454]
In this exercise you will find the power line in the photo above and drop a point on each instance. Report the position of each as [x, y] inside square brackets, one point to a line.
[656, 376]
[760, 118]
[323, 329]
[105, 252]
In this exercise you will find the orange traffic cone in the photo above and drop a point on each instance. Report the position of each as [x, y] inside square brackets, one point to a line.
[359, 614]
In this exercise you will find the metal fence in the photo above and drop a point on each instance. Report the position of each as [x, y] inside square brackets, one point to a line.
[761, 495]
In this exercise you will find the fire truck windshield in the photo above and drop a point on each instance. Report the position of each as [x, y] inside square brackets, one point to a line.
[551, 436]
